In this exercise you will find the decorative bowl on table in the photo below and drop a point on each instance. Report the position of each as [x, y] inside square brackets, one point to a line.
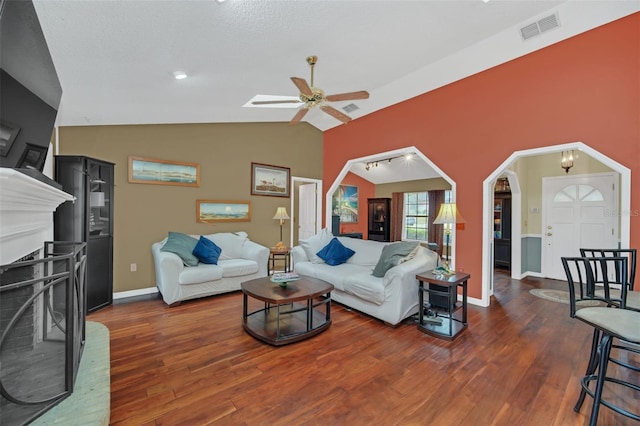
[283, 279]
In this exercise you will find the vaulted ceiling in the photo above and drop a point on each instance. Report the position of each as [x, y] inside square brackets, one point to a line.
[116, 58]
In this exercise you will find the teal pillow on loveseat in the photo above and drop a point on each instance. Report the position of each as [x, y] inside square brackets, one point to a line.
[182, 245]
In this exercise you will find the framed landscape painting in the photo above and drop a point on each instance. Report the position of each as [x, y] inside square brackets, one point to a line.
[209, 211]
[163, 172]
[269, 180]
[345, 203]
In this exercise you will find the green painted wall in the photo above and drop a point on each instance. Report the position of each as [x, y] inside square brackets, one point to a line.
[145, 213]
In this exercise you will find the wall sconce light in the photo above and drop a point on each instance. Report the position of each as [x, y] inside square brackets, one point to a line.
[566, 161]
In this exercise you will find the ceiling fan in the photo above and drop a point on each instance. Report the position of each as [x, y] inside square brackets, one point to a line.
[314, 97]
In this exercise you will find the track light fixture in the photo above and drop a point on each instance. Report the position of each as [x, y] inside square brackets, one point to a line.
[370, 164]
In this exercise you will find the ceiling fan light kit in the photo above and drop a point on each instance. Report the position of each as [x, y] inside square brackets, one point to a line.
[312, 97]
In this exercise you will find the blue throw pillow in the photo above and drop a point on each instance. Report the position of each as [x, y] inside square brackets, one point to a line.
[182, 245]
[207, 251]
[335, 253]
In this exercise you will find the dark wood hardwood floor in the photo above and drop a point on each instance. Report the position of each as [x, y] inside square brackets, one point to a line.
[518, 363]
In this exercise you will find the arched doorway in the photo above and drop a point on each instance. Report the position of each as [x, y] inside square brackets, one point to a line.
[487, 227]
[388, 154]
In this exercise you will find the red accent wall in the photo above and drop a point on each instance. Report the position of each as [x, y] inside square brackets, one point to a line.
[365, 190]
[586, 88]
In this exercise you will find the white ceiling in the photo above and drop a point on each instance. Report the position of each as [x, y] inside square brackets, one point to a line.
[115, 58]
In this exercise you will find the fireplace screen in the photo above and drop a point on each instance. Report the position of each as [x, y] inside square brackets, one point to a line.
[42, 329]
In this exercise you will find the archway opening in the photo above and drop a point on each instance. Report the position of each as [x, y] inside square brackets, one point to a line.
[359, 162]
[488, 185]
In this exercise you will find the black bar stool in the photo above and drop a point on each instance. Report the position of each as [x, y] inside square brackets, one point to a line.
[609, 323]
[632, 298]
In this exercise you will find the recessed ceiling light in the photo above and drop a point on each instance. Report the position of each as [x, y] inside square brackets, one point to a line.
[179, 75]
[486, 1]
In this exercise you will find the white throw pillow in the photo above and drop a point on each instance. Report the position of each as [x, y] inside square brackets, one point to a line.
[313, 245]
[230, 243]
[367, 251]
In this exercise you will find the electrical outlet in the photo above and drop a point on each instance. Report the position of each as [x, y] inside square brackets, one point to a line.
[134, 267]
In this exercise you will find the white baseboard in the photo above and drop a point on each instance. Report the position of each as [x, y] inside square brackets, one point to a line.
[532, 274]
[133, 293]
[473, 301]
[152, 290]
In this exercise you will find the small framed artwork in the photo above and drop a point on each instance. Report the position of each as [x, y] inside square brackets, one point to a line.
[269, 180]
[163, 172]
[33, 157]
[209, 211]
[8, 134]
[345, 203]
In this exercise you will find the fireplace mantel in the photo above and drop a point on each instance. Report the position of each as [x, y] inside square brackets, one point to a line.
[26, 208]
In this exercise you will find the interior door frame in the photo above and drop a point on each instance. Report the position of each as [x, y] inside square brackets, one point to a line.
[292, 206]
[487, 206]
[516, 225]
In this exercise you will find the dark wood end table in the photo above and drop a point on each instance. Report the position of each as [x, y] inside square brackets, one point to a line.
[445, 325]
[276, 254]
[290, 313]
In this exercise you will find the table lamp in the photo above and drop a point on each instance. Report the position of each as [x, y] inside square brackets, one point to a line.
[447, 216]
[281, 214]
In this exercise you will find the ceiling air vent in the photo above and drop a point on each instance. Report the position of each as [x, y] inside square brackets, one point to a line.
[543, 25]
[350, 108]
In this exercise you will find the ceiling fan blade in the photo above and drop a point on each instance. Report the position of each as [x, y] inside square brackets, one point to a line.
[274, 102]
[302, 86]
[296, 118]
[335, 113]
[348, 96]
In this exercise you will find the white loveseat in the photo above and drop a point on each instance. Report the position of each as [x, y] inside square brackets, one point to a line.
[240, 260]
[391, 298]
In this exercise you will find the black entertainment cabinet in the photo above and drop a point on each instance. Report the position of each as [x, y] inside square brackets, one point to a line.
[88, 219]
[379, 219]
[502, 229]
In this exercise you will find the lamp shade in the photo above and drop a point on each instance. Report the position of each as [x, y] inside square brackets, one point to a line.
[96, 199]
[448, 214]
[281, 213]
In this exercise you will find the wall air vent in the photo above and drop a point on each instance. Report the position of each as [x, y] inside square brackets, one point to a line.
[350, 108]
[543, 25]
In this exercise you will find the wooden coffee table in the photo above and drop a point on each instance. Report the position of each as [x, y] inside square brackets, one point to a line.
[290, 313]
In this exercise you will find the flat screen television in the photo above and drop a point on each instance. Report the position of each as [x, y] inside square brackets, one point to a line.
[30, 91]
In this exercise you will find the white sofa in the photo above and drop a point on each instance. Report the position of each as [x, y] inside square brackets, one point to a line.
[391, 298]
[241, 260]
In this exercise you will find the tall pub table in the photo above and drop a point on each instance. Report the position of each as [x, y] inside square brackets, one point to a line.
[450, 322]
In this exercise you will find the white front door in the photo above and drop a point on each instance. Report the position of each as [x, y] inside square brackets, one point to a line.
[578, 212]
[307, 211]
